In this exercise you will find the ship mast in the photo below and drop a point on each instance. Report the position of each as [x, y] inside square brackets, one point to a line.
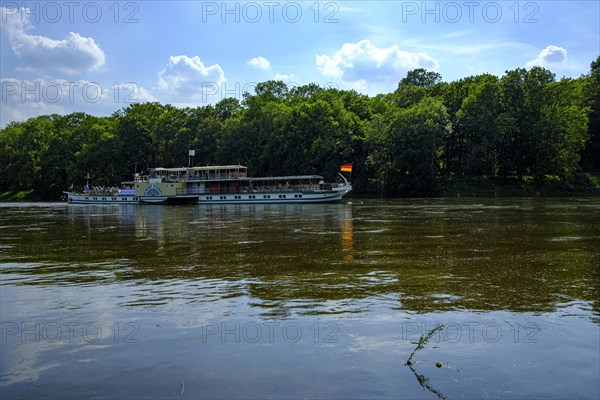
[191, 154]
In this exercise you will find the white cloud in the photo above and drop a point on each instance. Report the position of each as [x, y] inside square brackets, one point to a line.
[283, 77]
[551, 56]
[260, 63]
[475, 48]
[265, 65]
[74, 53]
[23, 99]
[361, 65]
[186, 80]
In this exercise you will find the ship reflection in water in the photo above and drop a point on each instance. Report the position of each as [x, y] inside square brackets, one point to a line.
[347, 233]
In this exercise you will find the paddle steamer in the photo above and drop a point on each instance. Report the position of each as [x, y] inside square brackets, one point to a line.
[213, 185]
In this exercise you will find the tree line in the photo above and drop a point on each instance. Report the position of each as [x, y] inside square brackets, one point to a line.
[525, 125]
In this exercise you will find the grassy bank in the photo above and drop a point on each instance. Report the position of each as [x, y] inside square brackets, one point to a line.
[24, 195]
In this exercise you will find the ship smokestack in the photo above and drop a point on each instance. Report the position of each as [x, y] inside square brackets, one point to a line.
[191, 154]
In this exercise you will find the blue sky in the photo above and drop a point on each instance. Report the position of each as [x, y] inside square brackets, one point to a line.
[98, 57]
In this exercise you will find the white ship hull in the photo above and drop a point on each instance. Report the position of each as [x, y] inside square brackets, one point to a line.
[316, 196]
[80, 198]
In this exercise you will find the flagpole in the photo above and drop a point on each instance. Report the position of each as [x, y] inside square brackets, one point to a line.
[350, 175]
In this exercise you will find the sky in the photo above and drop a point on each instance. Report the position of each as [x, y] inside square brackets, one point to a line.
[100, 56]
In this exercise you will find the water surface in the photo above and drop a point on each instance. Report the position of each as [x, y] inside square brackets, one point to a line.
[289, 301]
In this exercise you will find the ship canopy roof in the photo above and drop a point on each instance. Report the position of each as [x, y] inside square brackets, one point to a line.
[283, 178]
[204, 168]
[227, 172]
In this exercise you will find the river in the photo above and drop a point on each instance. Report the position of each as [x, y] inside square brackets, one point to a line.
[290, 301]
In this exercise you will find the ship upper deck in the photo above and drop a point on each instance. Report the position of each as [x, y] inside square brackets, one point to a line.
[215, 173]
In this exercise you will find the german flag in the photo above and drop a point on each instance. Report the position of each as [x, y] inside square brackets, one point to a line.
[346, 168]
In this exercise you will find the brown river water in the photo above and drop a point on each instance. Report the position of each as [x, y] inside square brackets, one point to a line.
[301, 301]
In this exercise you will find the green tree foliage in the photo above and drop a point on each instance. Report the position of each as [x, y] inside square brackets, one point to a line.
[563, 128]
[475, 130]
[405, 144]
[591, 153]
[523, 124]
[22, 146]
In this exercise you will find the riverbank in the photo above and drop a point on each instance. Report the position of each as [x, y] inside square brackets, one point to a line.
[24, 195]
[585, 184]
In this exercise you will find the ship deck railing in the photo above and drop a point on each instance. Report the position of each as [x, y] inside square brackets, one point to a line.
[101, 191]
[253, 190]
[232, 177]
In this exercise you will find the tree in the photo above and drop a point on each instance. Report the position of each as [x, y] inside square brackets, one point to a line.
[137, 126]
[228, 107]
[563, 123]
[407, 161]
[417, 85]
[519, 125]
[23, 147]
[271, 90]
[476, 127]
[206, 125]
[421, 78]
[591, 152]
